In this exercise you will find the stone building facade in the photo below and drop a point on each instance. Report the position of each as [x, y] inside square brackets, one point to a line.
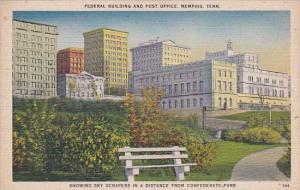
[155, 54]
[191, 86]
[34, 59]
[255, 85]
[80, 86]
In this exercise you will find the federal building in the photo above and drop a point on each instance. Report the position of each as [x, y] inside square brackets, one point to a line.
[34, 59]
[223, 80]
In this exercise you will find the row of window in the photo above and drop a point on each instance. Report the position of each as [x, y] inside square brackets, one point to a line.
[225, 85]
[115, 37]
[34, 38]
[116, 43]
[182, 103]
[26, 84]
[25, 92]
[170, 77]
[224, 73]
[35, 27]
[266, 91]
[184, 87]
[223, 103]
[266, 80]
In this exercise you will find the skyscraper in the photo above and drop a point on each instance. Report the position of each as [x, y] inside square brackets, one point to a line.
[154, 55]
[106, 55]
[34, 59]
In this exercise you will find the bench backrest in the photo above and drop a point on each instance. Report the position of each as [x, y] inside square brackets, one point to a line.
[174, 155]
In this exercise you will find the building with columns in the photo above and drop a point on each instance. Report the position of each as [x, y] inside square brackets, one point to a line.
[80, 86]
[191, 86]
[34, 59]
[156, 54]
[255, 85]
[224, 80]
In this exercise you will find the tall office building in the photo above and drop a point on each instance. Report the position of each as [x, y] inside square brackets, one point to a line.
[70, 61]
[154, 55]
[106, 55]
[34, 59]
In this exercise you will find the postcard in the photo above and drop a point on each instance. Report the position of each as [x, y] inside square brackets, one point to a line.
[149, 95]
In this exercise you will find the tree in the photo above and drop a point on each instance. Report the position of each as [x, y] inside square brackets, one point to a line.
[146, 126]
[261, 97]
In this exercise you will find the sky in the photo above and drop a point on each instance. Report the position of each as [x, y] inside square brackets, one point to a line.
[266, 33]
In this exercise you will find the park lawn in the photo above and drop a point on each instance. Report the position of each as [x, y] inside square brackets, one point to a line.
[228, 154]
[244, 116]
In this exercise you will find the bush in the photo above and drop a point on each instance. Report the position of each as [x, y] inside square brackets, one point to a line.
[45, 140]
[259, 135]
[255, 135]
[199, 151]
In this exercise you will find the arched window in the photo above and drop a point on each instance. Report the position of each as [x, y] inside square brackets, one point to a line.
[230, 102]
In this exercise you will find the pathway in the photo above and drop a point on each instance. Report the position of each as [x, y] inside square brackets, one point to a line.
[259, 166]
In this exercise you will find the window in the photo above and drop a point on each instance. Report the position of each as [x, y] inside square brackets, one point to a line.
[225, 85]
[164, 104]
[201, 102]
[188, 87]
[194, 102]
[201, 86]
[219, 73]
[188, 103]
[230, 86]
[181, 103]
[170, 89]
[170, 104]
[175, 104]
[182, 87]
[230, 102]
[220, 102]
[175, 88]
[219, 85]
[194, 86]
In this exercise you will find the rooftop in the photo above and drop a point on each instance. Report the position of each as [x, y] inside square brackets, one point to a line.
[31, 22]
[104, 28]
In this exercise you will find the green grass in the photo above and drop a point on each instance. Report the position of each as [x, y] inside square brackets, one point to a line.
[228, 154]
[284, 166]
[276, 115]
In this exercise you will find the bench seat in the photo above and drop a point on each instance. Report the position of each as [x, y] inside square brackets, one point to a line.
[161, 166]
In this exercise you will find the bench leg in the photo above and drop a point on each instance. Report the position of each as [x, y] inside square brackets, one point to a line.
[179, 170]
[129, 174]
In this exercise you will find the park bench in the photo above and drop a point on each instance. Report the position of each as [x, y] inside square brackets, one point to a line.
[173, 153]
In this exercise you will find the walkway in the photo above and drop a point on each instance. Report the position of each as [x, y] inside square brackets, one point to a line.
[260, 166]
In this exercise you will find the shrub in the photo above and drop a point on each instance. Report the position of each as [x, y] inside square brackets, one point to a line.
[259, 135]
[199, 151]
[255, 135]
[92, 146]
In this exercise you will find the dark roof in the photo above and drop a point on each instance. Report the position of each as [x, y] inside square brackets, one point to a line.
[34, 22]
